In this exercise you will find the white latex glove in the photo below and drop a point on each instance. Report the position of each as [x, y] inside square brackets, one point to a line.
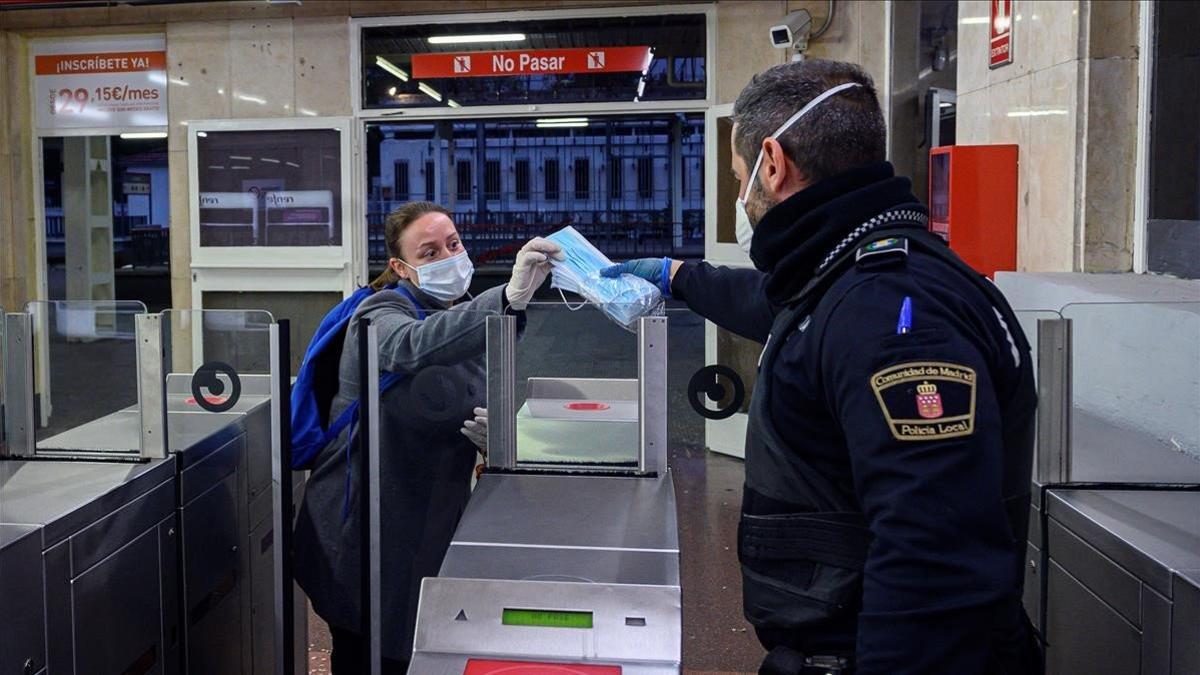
[476, 430]
[530, 270]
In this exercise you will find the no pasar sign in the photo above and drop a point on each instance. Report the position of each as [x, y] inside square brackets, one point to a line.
[531, 62]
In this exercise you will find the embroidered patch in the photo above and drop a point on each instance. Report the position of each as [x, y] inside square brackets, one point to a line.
[892, 245]
[926, 400]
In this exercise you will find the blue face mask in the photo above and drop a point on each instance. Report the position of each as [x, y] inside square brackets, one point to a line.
[624, 299]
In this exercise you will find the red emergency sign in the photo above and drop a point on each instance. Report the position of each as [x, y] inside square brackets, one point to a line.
[1000, 46]
[531, 62]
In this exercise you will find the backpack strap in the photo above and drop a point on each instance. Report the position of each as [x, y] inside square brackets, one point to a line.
[386, 381]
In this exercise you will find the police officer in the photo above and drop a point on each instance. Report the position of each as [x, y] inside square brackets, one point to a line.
[889, 447]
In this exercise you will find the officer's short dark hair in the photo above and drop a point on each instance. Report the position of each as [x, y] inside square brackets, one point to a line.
[844, 132]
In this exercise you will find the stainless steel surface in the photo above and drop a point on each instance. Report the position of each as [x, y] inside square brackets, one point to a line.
[21, 584]
[570, 511]
[652, 394]
[501, 392]
[1085, 635]
[1151, 534]
[1054, 401]
[577, 388]
[637, 624]
[18, 385]
[63, 497]
[1119, 586]
[1185, 648]
[588, 441]
[279, 519]
[608, 410]
[374, 563]
[152, 401]
[106, 577]
[581, 565]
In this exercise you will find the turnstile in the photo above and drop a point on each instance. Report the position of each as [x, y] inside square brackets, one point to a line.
[567, 556]
[175, 555]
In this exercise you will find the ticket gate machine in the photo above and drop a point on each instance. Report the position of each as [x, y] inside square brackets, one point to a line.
[567, 557]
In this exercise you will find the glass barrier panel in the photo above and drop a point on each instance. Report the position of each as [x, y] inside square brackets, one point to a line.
[217, 365]
[86, 376]
[1135, 391]
[577, 388]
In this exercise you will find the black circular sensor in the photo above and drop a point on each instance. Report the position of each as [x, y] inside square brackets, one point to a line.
[707, 381]
[437, 393]
[205, 377]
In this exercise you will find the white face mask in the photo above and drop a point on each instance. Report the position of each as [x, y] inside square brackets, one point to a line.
[446, 280]
[744, 229]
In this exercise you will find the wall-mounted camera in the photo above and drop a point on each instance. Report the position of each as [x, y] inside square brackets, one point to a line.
[794, 32]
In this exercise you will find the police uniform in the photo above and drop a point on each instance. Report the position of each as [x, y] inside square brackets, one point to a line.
[889, 450]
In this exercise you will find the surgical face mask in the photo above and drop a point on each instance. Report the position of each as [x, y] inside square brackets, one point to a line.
[744, 228]
[446, 280]
[624, 299]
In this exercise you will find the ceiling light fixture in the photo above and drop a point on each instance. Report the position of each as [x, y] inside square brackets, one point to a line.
[469, 39]
[558, 120]
[144, 134]
[433, 93]
[561, 125]
[391, 68]
[452, 103]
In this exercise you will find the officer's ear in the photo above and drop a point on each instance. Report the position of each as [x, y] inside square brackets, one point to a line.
[781, 176]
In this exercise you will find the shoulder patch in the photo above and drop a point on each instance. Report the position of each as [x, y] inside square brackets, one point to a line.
[882, 252]
[926, 400]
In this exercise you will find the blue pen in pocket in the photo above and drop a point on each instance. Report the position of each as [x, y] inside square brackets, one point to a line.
[904, 322]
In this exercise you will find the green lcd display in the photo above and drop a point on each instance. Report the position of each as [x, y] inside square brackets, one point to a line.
[546, 618]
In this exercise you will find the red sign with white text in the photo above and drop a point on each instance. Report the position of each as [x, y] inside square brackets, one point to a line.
[531, 62]
[1000, 45]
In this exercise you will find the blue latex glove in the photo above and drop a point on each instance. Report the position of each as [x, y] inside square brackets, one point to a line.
[655, 270]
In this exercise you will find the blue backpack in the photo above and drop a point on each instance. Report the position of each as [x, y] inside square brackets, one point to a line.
[317, 382]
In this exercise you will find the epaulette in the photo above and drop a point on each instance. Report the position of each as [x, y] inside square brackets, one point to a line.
[882, 253]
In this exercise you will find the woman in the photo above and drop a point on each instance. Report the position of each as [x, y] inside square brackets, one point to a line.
[425, 463]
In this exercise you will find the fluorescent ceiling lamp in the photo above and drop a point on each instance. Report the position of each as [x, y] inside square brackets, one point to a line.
[250, 99]
[391, 68]
[268, 160]
[1038, 113]
[557, 120]
[240, 157]
[293, 165]
[452, 103]
[433, 93]
[240, 168]
[560, 125]
[969, 20]
[945, 104]
[144, 134]
[216, 167]
[468, 39]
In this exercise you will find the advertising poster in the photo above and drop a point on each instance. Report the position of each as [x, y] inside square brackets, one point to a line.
[101, 83]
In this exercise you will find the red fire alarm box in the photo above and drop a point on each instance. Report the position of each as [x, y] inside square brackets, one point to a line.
[973, 203]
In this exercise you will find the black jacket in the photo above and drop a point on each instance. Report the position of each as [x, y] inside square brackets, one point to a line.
[926, 468]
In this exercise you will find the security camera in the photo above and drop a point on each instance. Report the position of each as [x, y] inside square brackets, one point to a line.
[793, 32]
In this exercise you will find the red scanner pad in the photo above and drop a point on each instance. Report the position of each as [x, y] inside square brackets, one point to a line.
[485, 667]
